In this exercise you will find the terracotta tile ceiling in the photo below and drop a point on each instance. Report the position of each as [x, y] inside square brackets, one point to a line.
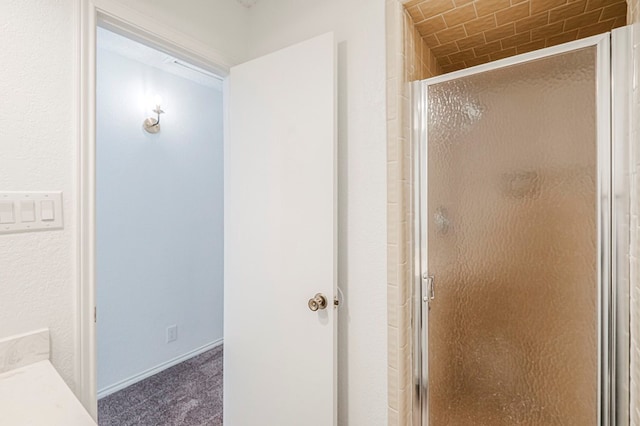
[464, 33]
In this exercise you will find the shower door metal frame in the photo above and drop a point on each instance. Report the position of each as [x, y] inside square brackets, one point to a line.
[613, 79]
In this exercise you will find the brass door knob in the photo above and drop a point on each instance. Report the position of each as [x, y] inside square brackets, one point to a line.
[318, 302]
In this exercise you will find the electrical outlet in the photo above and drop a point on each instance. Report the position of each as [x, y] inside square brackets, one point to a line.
[172, 333]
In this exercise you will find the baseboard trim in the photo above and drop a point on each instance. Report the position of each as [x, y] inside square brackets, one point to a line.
[155, 370]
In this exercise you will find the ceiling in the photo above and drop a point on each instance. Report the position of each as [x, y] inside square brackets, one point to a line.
[465, 33]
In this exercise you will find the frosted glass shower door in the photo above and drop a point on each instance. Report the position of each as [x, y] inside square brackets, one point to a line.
[512, 223]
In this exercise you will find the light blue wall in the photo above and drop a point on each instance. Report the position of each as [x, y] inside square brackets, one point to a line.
[159, 218]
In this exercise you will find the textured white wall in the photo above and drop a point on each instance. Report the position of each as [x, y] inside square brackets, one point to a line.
[159, 217]
[37, 152]
[360, 31]
[38, 149]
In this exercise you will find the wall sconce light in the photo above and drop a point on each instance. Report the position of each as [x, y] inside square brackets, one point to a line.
[152, 124]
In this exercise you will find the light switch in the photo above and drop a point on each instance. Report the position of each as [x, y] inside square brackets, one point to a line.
[6, 212]
[28, 211]
[47, 211]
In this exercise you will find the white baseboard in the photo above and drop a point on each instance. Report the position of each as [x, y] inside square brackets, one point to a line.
[155, 370]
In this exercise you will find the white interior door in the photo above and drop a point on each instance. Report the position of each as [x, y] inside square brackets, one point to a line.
[280, 239]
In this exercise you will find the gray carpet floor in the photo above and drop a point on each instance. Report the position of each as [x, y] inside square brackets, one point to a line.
[189, 393]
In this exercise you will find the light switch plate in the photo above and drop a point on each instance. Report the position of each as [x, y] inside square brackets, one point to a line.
[31, 219]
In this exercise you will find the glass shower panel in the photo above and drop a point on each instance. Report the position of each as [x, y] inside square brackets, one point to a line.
[512, 244]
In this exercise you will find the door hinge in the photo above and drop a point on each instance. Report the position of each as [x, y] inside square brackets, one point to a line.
[95, 314]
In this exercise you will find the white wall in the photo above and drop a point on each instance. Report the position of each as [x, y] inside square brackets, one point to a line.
[37, 152]
[159, 218]
[38, 149]
[360, 30]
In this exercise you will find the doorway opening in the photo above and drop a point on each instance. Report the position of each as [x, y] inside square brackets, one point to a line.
[280, 217]
[159, 236]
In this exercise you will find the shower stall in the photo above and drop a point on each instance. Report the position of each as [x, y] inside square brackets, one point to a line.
[521, 206]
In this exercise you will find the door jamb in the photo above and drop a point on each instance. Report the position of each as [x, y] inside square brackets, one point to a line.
[137, 26]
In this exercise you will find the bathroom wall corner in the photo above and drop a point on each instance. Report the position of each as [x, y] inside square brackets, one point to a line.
[408, 59]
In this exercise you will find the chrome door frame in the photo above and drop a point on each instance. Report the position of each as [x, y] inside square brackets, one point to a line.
[613, 85]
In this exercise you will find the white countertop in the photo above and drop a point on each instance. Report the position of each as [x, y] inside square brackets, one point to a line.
[36, 395]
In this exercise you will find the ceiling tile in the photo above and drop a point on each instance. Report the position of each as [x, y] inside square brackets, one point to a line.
[432, 8]
[568, 11]
[621, 21]
[528, 47]
[485, 7]
[473, 41]
[431, 26]
[503, 54]
[547, 30]
[460, 15]
[613, 11]
[478, 61]
[500, 32]
[562, 38]
[517, 39]
[582, 20]
[544, 5]
[488, 48]
[597, 4]
[480, 24]
[513, 13]
[445, 49]
[534, 21]
[451, 34]
[430, 40]
[599, 28]
[415, 14]
[453, 67]
[461, 56]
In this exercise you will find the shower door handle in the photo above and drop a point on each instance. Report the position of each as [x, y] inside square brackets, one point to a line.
[430, 290]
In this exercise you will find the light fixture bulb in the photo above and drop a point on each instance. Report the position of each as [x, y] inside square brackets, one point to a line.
[157, 99]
